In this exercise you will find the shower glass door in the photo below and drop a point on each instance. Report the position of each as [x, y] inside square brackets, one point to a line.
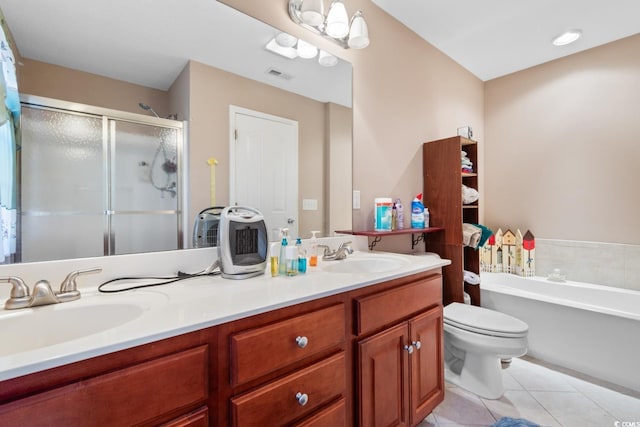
[62, 186]
[144, 200]
[94, 184]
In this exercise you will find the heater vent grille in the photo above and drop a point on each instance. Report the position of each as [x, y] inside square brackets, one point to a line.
[277, 73]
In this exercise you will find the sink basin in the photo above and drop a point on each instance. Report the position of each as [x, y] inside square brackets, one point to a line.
[32, 328]
[365, 264]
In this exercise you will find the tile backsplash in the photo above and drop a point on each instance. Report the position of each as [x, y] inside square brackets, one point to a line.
[609, 264]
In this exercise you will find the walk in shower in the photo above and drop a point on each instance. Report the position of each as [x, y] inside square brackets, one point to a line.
[97, 182]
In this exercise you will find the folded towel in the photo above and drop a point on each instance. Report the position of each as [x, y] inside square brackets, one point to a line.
[471, 278]
[471, 235]
[486, 233]
[469, 195]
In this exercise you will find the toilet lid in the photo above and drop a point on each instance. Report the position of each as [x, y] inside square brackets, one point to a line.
[484, 321]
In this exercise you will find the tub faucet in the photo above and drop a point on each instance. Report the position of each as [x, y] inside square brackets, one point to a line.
[42, 293]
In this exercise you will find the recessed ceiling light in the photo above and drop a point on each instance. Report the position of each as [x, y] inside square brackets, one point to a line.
[567, 37]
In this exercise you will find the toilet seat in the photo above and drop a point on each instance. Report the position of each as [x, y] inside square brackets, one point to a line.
[484, 321]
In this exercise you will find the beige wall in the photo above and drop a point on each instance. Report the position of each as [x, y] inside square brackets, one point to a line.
[405, 92]
[563, 147]
[211, 92]
[52, 81]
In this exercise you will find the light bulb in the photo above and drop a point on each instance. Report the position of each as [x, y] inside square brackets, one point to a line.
[306, 50]
[337, 20]
[359, 34]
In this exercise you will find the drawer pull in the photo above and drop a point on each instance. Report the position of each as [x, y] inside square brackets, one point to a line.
[417, 344]
[408, 348]
[302, 398]
[302, 341]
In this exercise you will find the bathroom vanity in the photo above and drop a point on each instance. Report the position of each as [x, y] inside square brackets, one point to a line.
[304, 351]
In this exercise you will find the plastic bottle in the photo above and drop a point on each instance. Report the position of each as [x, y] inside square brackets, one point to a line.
[291, 261]
[275, 265]
[426, 217]
[302, 257]
[282, 261]
[313, 243]
[400, 215]
[417, 212]
[394, 217]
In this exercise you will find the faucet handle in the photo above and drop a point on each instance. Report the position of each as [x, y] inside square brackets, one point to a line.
[19, 293]
[69, 283]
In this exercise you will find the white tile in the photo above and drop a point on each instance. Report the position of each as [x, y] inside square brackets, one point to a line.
[632, 267]
[462, 407]
[520, 404]
[573, 409]
[621, 406]
[534, 377]
[430, 421]
[509, 382]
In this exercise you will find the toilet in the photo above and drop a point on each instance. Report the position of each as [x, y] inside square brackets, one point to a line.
[477, 343]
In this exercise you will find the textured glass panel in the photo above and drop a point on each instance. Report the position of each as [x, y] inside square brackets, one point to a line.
[62, 237]
[145, 165]
[144, 233]
[61, 162]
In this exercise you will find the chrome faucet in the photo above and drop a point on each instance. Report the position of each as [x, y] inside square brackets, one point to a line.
[338, 254]
[42, 293]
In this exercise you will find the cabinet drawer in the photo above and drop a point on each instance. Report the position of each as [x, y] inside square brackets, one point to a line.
[333, 416]
[387, 307]
[129, 396]
[197, 418]
[258, 351]
[321, 383]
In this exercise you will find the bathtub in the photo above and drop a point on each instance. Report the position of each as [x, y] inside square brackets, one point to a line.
[588, 328]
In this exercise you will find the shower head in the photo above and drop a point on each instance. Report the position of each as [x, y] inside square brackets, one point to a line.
[146, 107]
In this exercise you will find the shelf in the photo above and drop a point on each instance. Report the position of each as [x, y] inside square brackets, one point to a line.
[377, 235]
[466, 141]
[469, 206]
[468, 174]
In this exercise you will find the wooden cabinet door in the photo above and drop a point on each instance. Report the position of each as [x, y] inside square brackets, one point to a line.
[426, 363]
[383, 378]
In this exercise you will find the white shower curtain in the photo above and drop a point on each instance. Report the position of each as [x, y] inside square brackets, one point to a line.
[7, 191]
[9, 111]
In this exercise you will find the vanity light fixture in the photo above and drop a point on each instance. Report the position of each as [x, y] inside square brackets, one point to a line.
[336, 26]
[290, 47]
[567, 37]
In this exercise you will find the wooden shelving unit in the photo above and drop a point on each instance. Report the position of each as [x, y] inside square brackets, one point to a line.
[378, 235]
[442, 195]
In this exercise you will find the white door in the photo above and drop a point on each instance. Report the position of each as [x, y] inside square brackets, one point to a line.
[264, 167]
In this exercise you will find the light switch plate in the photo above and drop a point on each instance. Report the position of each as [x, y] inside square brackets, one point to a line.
[356, 199]
[309, 205]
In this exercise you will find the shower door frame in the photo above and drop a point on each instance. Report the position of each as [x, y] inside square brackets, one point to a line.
[109, 118]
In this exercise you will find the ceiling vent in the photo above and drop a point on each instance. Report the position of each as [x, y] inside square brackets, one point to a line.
[277, 73]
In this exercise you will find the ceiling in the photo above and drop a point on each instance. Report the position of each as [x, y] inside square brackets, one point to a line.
[149, 42]
[492, 38]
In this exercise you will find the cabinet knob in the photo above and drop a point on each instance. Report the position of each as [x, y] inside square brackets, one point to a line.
[302, 398]
[408, 348]
[417, 344]
[302, 341]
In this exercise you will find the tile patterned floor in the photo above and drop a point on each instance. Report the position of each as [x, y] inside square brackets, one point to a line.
[543, 395]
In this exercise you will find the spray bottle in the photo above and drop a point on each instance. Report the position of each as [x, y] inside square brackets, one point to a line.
[400, 214]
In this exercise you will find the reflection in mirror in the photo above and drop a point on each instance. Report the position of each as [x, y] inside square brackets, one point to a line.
[196, 62]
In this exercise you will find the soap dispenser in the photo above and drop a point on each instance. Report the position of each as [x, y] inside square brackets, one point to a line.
[282, 261]
[302, 257]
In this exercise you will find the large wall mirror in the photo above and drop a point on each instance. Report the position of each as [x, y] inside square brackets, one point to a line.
[200, 61]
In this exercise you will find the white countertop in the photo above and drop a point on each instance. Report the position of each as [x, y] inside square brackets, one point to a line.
[132, 318]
